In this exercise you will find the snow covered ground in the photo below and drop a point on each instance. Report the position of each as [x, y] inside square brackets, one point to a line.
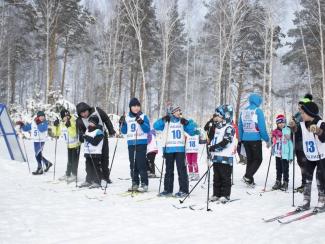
[34, 210]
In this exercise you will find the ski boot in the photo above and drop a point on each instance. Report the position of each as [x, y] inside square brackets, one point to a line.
[71, 179]
[214, 199]
[134, 187]
[300, 189]
[48, 166]
[94, 185]
[224, 199]
[63, 178]
[143, 188]
[304, 206]
[38, 171]
[277, 185]
[180, 194]
[84, 184]
[284, 186]
[165, 194]
[320, 205]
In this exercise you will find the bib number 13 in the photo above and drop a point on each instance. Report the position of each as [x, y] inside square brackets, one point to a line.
[310, 145]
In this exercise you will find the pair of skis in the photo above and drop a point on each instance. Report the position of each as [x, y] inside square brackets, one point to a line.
[306, 215]
[194, 207]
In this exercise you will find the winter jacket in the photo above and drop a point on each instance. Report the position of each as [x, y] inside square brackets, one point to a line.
[69, 133]
[145, 127]
[282, 143]
[190, 129]
[38, 130]
[261, 132]
[81, 127]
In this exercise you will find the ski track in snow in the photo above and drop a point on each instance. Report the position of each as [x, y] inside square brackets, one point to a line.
[34, 210]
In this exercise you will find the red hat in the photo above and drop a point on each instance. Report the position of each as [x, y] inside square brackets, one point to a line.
[280, 119]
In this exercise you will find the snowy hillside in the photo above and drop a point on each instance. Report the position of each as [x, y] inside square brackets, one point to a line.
[34, 210]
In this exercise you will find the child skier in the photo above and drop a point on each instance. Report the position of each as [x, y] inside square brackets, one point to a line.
[223, 150]
[136, 126]
[38, 129]
[192, 150]
[93, 139]
[174, 126]
[152, 151]
[69, 130]
[283, 152]
[313, 136]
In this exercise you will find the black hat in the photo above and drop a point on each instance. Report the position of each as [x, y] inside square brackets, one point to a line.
[307, 98]
[40, 113]
[82, 107]
[310, 108]
[134, 102]
[93, 119]
[64, 113]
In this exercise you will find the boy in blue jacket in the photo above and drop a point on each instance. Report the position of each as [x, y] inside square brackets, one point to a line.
[252, 130]
[174, 126]
[38, 129]
[136, 127]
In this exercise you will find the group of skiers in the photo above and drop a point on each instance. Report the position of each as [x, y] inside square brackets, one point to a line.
[304, 136]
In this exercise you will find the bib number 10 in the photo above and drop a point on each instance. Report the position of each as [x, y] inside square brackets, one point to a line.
[177, 134]
[310, 145]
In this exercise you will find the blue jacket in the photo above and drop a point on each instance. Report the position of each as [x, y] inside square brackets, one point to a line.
[145, 128]
[41, 127]
[190, 129]
[254, 103]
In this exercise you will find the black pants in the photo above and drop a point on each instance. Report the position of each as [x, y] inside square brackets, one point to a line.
[254, 158]
[105, 158]
[282, 169]
[221, 179]
[170, 158]
[93, 169]
[73, 161]
[309, 169]
[151, 162]
[302, 160]
[139, 166]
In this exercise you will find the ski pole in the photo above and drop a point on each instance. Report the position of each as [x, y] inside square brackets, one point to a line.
[26, 154]
[197, 183]
[293, 171]
[56, 144]
[208, 192]
[164, 158]
[110, 168]
[268, 169]
[134, 161]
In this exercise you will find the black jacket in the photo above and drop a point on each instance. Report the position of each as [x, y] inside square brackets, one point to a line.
[104, 117]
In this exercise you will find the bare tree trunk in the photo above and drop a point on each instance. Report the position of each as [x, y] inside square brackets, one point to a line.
[8, 75]
[266, 37]
[119, 95]
[65, 58]
[322, 53]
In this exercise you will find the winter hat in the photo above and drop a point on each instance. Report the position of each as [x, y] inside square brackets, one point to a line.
[82, 107]
[174, 109]
[93, 119]
[134, 102]
[307, 98]
[310, 108]
[64, 113]
[280, 119]
[226, 112]
[40, 113]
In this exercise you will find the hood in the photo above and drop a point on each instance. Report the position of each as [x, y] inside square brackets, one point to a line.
[255, 99]
[82, 107]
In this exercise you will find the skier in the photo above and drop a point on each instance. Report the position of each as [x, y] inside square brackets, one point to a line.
[174, 125]
[312, 130]
[282, 149]
[223, 150]
[152, 151]
[136, 126]
[94, 141]
[252, 130]
[192, 150]
[300, 155]
[38, 129]
[84, 111]
[68, 128]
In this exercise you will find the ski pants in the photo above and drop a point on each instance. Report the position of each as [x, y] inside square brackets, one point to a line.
[254, 158]
[139, 165]
[170, 158]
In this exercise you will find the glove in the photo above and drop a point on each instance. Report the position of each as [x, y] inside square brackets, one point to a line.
[56, 122]
[85, 137]
[184, 121]
[139, 120]
[166, 118]
[68, 123]
[314, 129]
[122, 120]
[212, 148]
[20, 123]
[268, 145]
